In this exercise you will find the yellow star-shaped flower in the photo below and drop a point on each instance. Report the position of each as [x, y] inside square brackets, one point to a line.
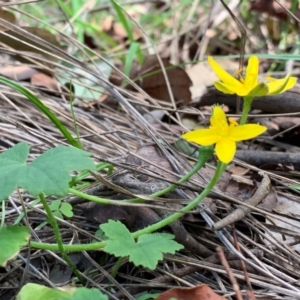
[250, 86]
[224, 135]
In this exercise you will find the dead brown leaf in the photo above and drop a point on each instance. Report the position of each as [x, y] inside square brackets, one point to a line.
[7, 16]
[242, 179]
[14, 40]
[270, 202]
[45, 81]
[236, 170]
[153, 82]
[18, 73]
[201, 292]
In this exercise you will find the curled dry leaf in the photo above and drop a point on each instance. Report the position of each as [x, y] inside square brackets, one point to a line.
[18, 41]
[153, 82]
[201, 292]
[18, 73]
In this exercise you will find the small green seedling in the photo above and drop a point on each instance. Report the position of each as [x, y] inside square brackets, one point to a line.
[60, 209]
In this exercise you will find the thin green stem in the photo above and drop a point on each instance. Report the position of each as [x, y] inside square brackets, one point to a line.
[204, 154]
[82, 175]
[58, 238]
[246, 109]
[94, 198]
[69, 248]
[220, 169]
[96, 246]
[117, 267]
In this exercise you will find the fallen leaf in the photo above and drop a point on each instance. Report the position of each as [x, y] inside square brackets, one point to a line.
[45, 81]
[153, 82]
[201, 292]
[285, 230]
[18, 73]
[236, 170]
[203, 76]
[14, 39]
[270, 202]
[135, 219]
[7, 16]
[241, 179]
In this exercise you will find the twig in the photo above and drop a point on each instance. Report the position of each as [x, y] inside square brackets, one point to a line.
[242, 211]
[287, 102]
[250, 293]
[259, 158]
[233, 281]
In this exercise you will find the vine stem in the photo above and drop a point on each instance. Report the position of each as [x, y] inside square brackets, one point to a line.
[204, 154]
[58, 238]
[219, 171]
[96, 246]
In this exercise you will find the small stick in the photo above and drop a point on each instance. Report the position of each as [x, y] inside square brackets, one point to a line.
[259, 158]
[250, 293]
[232, 279]
[242, 211]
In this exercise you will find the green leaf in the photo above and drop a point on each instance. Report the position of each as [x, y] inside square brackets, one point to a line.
[84, 293]
[66, 209]
[100, 234]
[295, 186]
[55, 204]
[148, 296]
[123, 20]
[11, 239]
[48, 174]
[39, 292]
[57, 214]
[148, 249]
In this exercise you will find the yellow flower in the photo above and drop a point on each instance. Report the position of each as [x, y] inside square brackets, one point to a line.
[249, 86]
[224, 135]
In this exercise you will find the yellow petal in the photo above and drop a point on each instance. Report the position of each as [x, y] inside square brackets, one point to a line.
[222, 74]
[225, 89]
[229, 89]
[245, 132]
[290, 84]
[251, 77]
[204, 137]
[218, 118]
[225, 150]
[281, 85]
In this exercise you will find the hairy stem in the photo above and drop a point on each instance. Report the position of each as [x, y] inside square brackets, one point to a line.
[58, 238]
[96, 246]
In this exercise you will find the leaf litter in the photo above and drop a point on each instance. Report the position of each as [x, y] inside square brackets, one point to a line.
[111, 134]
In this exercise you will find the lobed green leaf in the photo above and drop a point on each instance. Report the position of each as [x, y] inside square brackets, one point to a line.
[11, 239]
[148, 249]
[48, 174]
